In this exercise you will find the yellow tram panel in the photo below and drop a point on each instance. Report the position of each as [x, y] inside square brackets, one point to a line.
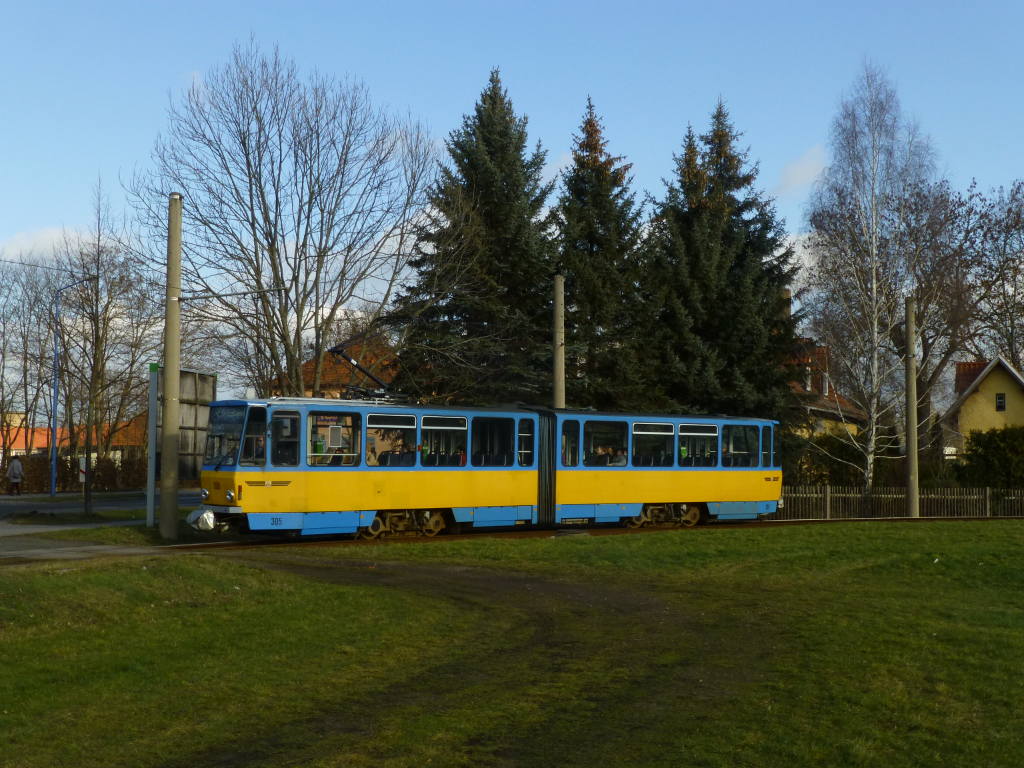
[331, 491]
[623, 486]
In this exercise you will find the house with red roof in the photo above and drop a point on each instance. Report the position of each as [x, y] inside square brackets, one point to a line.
[989, 395]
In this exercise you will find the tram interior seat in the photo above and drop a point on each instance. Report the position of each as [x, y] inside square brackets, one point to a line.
[481, 459]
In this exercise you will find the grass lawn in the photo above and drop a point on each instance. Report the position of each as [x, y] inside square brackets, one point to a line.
[65, 518]
[862, 644]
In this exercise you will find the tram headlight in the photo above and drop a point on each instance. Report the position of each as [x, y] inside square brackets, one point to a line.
[229, 495]
[204, 494]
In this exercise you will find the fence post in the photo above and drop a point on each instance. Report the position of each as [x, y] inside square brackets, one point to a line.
[828, 502]
[988, 501]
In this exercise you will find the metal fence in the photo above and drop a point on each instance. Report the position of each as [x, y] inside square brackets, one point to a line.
[823, 502]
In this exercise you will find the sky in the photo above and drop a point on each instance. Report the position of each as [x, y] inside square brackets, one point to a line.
[85, 88]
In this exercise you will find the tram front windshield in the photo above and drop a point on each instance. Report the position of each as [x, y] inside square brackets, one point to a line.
[224, 434]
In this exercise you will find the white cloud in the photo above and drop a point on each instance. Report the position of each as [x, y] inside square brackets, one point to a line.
[802, 172]
[42, 242]
[553, 169]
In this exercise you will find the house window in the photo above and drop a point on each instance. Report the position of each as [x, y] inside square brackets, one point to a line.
[1000, 401]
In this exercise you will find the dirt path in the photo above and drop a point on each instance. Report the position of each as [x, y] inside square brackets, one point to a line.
[656, 653]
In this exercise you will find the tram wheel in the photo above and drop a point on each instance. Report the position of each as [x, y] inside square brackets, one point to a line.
[690, 515]
[376, 528]
[644, 518]
[433, 523]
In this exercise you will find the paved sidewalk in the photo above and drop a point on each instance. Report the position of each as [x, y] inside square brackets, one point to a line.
[18, 549]
[8, 529]
[20, 542]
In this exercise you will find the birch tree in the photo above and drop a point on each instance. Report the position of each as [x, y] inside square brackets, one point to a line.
[884, 229]
[877, 156]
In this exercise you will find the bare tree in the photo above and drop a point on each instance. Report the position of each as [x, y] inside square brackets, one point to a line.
[25, 350]
[110, 328]
[299, 191]
[856, 280]
[1001, 318]
[882, 230]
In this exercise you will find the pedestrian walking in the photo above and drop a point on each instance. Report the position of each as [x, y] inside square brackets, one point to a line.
[15, 474]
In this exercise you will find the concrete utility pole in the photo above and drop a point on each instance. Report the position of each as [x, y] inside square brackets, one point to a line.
[559, 342]
[172, 372]
[913, 499]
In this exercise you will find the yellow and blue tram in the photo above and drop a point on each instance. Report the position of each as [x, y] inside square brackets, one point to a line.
[313, 466]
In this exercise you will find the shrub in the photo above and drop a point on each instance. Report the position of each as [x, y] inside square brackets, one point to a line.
[994, 458]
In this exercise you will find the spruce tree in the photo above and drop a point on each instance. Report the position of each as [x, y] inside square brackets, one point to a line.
[598, 229]
[717, 268]
[476, 320]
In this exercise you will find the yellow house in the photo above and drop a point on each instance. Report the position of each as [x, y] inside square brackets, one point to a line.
[827, 410]
[990, 395]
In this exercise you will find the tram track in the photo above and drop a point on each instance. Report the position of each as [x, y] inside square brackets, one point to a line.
[533, 533]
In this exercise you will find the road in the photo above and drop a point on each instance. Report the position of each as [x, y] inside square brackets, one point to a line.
[68, 503]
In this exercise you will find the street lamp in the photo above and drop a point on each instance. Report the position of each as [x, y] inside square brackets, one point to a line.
[56, 379]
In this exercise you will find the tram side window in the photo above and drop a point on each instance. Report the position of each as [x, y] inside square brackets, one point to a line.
[570, 443]
[653, 444]
[775, 449]
[493, 442]
[739, 446]
[766, 446]
[333, 439]
[605, 443]
[698, 445]
[525, 447]
[284, 439]
[443, 441]
[390, 440]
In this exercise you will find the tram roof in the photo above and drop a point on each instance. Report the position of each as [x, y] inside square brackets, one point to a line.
[503, 408]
